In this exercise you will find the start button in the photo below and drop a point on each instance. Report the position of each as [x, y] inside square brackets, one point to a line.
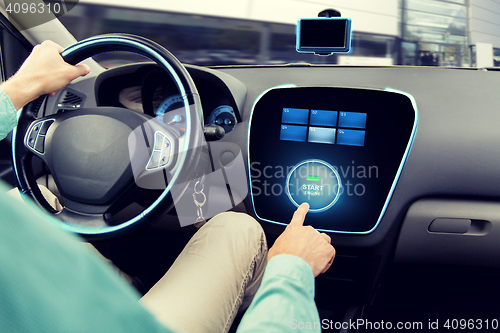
[315, 182]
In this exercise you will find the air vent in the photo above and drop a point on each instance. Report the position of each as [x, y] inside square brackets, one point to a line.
[70, 100]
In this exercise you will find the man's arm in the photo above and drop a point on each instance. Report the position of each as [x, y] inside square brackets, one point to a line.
[43, 72]
[285, 299]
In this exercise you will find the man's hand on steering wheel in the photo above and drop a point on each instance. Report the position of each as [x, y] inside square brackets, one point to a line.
[43, 72]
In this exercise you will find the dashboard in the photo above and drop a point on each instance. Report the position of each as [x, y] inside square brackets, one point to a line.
[427, 135]
[149, 90]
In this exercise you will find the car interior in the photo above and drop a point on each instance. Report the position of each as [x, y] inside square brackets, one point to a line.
[400, 165]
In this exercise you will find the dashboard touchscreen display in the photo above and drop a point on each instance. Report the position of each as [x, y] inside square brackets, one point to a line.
[341, 150]
[323, 126]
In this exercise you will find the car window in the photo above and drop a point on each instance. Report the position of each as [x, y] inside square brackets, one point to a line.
[14, 49]
[405, 32]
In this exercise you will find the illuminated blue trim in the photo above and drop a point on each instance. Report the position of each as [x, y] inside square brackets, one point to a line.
[13, 149]
[339, 185]
[398, 174]
[168, 102]
[182, 152]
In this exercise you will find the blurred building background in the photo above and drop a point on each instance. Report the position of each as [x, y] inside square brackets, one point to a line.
[231, 32]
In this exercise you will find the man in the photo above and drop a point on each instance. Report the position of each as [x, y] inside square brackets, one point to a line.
[51, 282]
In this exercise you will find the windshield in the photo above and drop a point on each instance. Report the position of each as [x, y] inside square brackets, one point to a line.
[254, 32]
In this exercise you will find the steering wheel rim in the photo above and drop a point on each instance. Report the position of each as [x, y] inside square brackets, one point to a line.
[188, 155]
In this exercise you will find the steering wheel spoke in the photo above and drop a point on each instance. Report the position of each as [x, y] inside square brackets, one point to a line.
[82, 220]
[36, 135]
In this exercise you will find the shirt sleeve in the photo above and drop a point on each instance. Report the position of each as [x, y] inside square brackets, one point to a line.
[8, 115]
[51, 282]
[285, 299]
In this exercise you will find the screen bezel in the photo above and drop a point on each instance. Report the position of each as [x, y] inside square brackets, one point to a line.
[324, 50]
[396, 141]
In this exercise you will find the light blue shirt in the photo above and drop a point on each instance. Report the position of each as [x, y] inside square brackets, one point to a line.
[285, 299]
[51, 282]
[8, 115]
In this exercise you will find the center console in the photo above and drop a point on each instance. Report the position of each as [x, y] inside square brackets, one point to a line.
[339, 149]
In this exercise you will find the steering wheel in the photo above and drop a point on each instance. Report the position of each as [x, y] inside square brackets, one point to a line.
[102, 156]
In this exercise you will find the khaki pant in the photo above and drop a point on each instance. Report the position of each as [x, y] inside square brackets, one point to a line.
[218, 271]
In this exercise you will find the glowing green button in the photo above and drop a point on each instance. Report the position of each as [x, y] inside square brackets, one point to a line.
[315, 182]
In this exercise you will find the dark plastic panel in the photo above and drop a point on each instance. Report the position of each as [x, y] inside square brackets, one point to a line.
[479, 244]
[455, 152]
